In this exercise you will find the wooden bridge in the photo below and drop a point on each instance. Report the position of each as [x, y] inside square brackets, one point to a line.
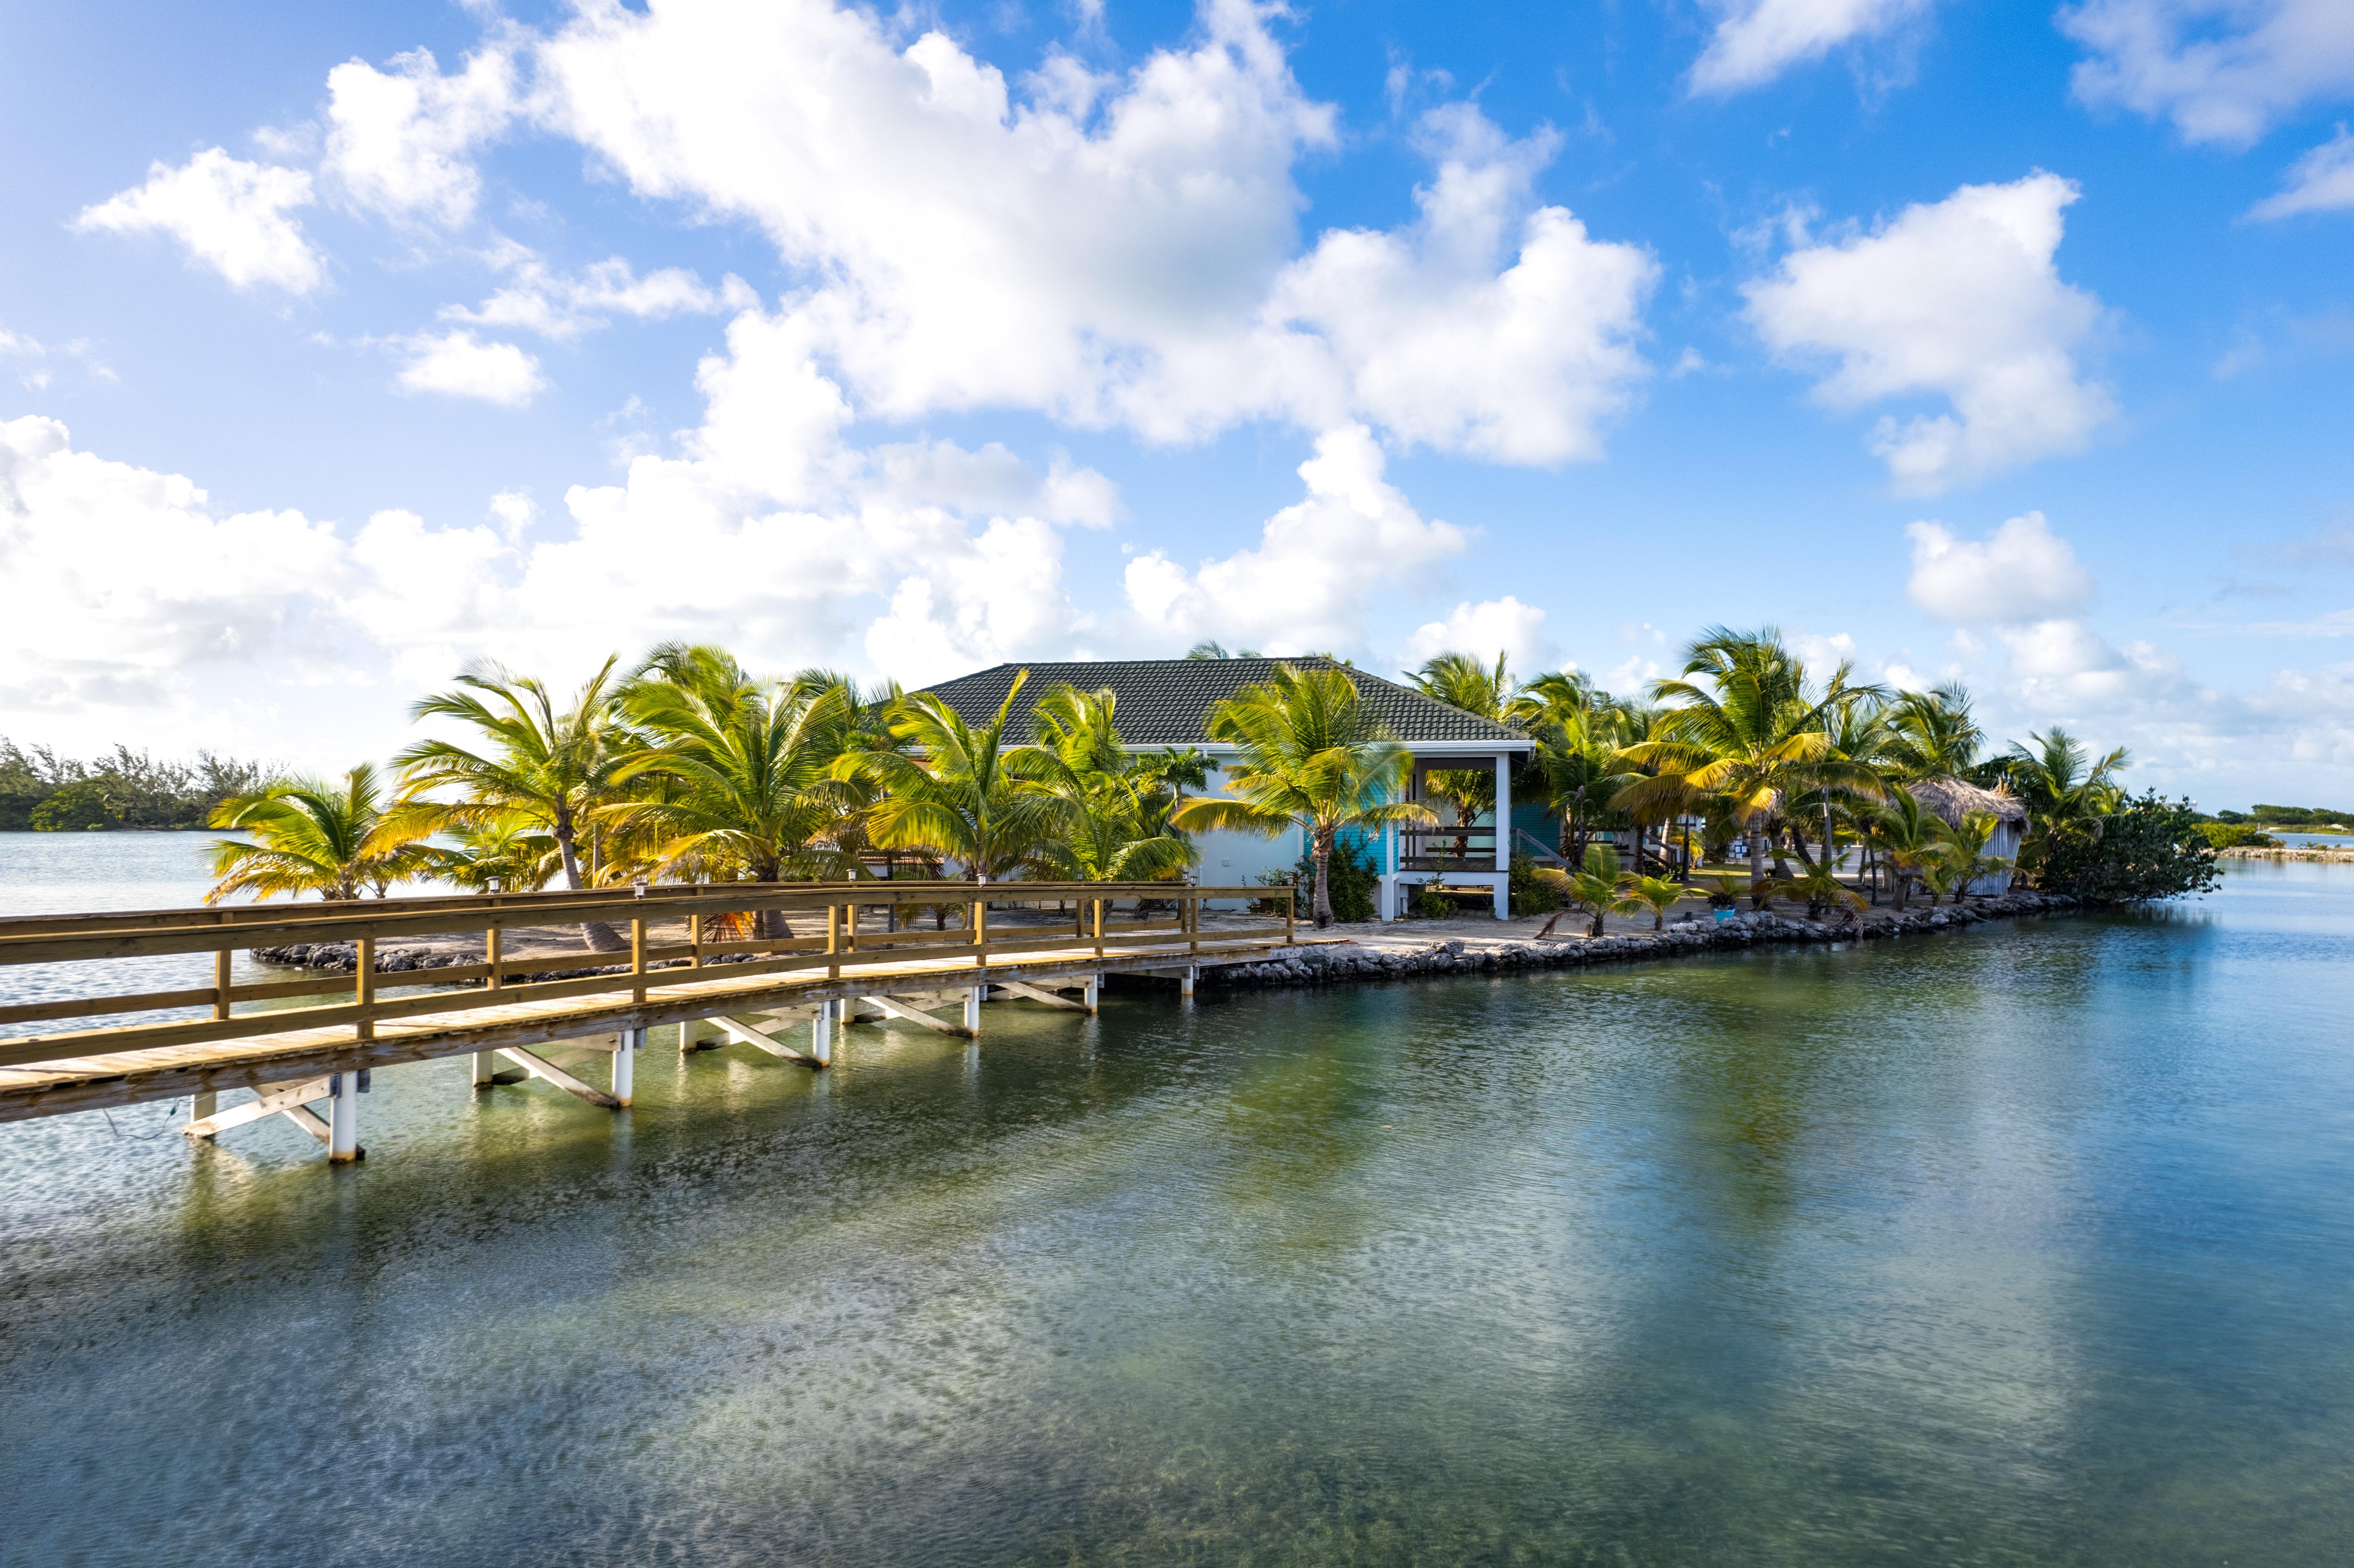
[736, 968]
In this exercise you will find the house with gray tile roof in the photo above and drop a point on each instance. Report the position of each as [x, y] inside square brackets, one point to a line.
[1167, 701]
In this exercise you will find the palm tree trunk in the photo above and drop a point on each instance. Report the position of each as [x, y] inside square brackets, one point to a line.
[601, 937]
[1322, 844]
[1757, 834]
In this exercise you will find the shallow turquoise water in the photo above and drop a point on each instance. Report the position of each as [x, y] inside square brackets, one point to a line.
[2026, 1245]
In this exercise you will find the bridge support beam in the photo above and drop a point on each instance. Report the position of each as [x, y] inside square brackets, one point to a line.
[343, 1118]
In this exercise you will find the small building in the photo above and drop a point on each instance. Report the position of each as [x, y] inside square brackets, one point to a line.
[1951, 800]
[1167, 701]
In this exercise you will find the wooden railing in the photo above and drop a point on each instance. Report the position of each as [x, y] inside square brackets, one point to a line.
[1159, 915]
[1446, 849]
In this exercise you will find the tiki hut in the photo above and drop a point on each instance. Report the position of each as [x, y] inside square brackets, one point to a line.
[1952, 800]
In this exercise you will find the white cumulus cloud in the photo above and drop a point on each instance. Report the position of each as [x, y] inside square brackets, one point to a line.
[1959, 299]
[1754, 41]
[1108, 250]
[458, 365]
[2321, 181]
[2223, 71]
[229, 214]
[398, 141]
[2020, 572]
[1491, 627]
[562, 306]
[1309, 583]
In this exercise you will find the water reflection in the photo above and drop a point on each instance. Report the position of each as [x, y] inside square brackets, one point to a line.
[2024, 1245]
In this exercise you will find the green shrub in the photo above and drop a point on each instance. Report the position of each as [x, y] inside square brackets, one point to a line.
[1528, 893]
[73, 809]
[2149, 847]
[2237, 835]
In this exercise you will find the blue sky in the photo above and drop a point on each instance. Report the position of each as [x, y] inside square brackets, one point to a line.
[1971, 340]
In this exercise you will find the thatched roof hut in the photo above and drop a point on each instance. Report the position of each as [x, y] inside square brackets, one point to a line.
[1953, 800]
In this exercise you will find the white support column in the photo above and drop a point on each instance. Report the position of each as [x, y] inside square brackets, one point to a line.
[972, 999]
[486, 1067]
[1095, 993]
[1185, 982]
[344, 1117]
[203, 1104]
[1504, 832]
[625, 1060]
[821, 1032]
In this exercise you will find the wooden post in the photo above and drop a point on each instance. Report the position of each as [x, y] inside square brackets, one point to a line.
[221, 982]
[638, 946]
[695, 941]
[344, 1117]
[980, 930]
[366, 985]
[1099, 904]
[494, 954]
[1193, 920]
[833, 941]
[1290, 916]
[850, 928]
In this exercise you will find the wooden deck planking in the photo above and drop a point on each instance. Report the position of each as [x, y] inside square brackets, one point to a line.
[169, 1072]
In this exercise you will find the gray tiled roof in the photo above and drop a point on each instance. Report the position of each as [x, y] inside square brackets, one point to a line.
[1164, 701]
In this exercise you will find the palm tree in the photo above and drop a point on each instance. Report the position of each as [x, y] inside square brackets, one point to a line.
[316, 835]
[1311, 756]
[509, 851]
[1931, 735]
[968, 794]
[1757, 735]
[1600, 887]
[551, 766]
[1819, 889]
[1911, 840]
[740, 772]
[1970, 862]
[1657, 894]
[2066, 794]
[1120, 801]
[1578, 730]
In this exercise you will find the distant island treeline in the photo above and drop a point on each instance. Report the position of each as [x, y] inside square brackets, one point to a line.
[2292, 818]
[45, 792]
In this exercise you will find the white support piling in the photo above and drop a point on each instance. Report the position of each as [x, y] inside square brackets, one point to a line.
[344, 1117]
[973, 994]
[486, 1067]
[204, 1105]
[821, 1032]
[1185, 982]
[1095, 993]
[625, 1057]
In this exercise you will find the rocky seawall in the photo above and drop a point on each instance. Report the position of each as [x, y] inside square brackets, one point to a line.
[1342, 962]
[2296, 851]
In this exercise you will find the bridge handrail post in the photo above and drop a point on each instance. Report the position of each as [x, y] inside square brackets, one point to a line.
[638, 949]
[366, 987]
[833, 941]
[221, 975]
[1291, 914]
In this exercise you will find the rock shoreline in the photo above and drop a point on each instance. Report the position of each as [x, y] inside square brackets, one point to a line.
[1346, 962]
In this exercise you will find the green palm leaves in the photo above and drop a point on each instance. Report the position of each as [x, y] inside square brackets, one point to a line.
[1118, 828]
[1310, 756]
[974, 796]
[315, 836]
[733, 777]
[2067, 794]
[1752, 735]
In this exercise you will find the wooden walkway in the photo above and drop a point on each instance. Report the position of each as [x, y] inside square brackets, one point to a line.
[301, 1059]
